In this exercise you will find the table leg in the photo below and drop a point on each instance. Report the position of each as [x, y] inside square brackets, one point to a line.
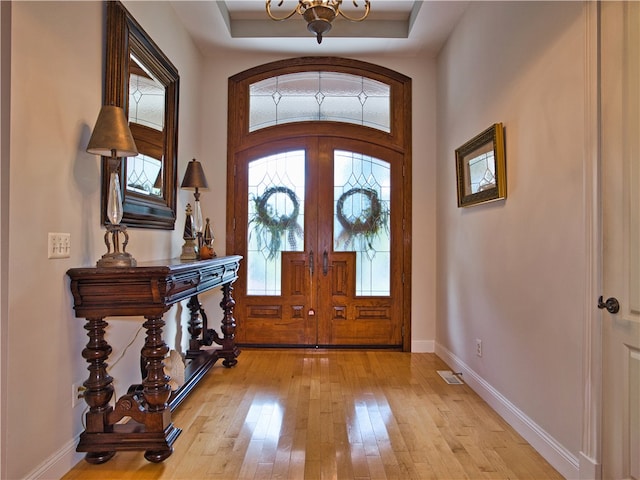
[229, 350]
[99, 387]
[195, 327]
[156, 390]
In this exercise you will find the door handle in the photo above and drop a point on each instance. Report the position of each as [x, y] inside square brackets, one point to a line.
[612, 305]
[311, 262]
[325, 263]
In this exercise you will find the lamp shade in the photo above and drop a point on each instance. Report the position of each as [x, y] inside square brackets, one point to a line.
[194, 176]
[110, 133]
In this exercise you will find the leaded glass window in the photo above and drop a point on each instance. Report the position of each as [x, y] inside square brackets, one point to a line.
[362, 212]
[319, 96]
[276, 185]
[146, 114]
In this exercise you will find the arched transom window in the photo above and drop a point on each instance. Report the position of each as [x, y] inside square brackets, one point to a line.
[319, 96]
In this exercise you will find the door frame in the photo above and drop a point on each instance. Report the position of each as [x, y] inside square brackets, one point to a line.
[399, 138]
[590, 455]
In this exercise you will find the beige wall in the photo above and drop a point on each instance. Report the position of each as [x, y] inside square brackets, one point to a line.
[514, 273]
[56, 81]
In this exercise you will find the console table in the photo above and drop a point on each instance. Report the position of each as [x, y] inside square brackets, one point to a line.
[148, 290]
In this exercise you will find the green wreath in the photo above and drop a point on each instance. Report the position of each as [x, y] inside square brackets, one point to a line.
[368, 224]
[270, 227]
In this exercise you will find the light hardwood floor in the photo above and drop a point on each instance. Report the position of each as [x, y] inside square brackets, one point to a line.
[317, 414]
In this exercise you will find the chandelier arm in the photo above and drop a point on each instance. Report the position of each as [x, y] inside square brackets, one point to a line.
[279, 19]
[367, 7]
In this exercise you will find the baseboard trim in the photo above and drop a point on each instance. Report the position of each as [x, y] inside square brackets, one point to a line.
[589, 468]
[423, 346]
[58, 464]
[557, 455]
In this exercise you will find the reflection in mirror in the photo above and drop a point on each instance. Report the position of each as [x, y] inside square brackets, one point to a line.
[482, 170]
[142, 80]
[146, 117]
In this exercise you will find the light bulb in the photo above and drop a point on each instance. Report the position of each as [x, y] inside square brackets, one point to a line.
[114, 200]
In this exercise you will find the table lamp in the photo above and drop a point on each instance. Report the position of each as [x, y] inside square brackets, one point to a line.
[112, 138]
[194, 178]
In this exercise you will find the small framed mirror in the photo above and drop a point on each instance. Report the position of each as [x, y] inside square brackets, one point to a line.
[142, 80]
[481, 168]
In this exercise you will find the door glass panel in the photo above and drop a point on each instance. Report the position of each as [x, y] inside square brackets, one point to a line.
[362, 209]
[276, 186]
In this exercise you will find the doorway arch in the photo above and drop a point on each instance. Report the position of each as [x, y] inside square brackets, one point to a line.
[313, 310]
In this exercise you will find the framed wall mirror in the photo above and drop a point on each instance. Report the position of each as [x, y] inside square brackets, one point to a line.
[481, 168]
[142, 80]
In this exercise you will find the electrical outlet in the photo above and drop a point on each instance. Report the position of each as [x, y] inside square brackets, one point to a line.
[478, 347]
[59, 245]
[77, 394]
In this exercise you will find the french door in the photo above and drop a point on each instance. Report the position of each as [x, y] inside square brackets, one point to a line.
[319, 222]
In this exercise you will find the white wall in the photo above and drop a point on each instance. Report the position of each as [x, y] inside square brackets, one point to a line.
[57, 80]
[513, 273]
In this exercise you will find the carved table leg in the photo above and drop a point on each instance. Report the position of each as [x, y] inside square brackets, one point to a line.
[156, 390]
[99, 389]
[229, 350]
[195, 327]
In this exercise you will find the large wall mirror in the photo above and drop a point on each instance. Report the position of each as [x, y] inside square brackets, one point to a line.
[142, 80]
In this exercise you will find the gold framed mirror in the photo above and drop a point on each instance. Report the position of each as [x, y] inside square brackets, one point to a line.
[142, 80]
[481, 168]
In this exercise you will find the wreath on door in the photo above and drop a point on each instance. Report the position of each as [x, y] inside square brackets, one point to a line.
[270, 226]
[368, 223]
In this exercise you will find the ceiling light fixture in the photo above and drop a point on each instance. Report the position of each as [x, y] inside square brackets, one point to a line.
[319, 14]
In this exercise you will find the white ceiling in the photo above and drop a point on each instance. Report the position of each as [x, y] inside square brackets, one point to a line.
[394, 27]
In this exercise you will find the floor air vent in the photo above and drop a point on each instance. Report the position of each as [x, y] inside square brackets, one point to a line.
[451, 378]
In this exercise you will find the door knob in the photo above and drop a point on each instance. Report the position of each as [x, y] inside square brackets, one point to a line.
[612, 305]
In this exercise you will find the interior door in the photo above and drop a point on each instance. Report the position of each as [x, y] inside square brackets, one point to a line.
[620, 57]
[322, 267]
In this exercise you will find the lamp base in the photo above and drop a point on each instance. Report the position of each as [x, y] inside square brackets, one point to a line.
[119, 259]
[116, 258]
[189, 250]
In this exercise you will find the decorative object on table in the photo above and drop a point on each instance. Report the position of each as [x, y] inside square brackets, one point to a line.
[319, 14]
[270, 224]
[364, 221]
[481, 168]
[112, 138]
[207, 251]
[189, 249]
[194, 178]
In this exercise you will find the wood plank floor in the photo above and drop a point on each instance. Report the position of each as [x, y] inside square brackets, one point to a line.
[317, 414]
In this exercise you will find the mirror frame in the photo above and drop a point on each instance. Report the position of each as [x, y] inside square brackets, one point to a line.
[125, 35]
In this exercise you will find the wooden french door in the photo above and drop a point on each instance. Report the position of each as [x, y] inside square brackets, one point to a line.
[321, 234]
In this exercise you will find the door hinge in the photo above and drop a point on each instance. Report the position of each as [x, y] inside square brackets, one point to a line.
[235, 169]
[234, 223]
[403, 278]
[403, 332]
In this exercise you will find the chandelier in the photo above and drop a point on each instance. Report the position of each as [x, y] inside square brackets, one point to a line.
[319, 14]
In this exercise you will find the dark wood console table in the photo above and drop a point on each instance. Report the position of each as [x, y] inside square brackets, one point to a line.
[148, 290]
